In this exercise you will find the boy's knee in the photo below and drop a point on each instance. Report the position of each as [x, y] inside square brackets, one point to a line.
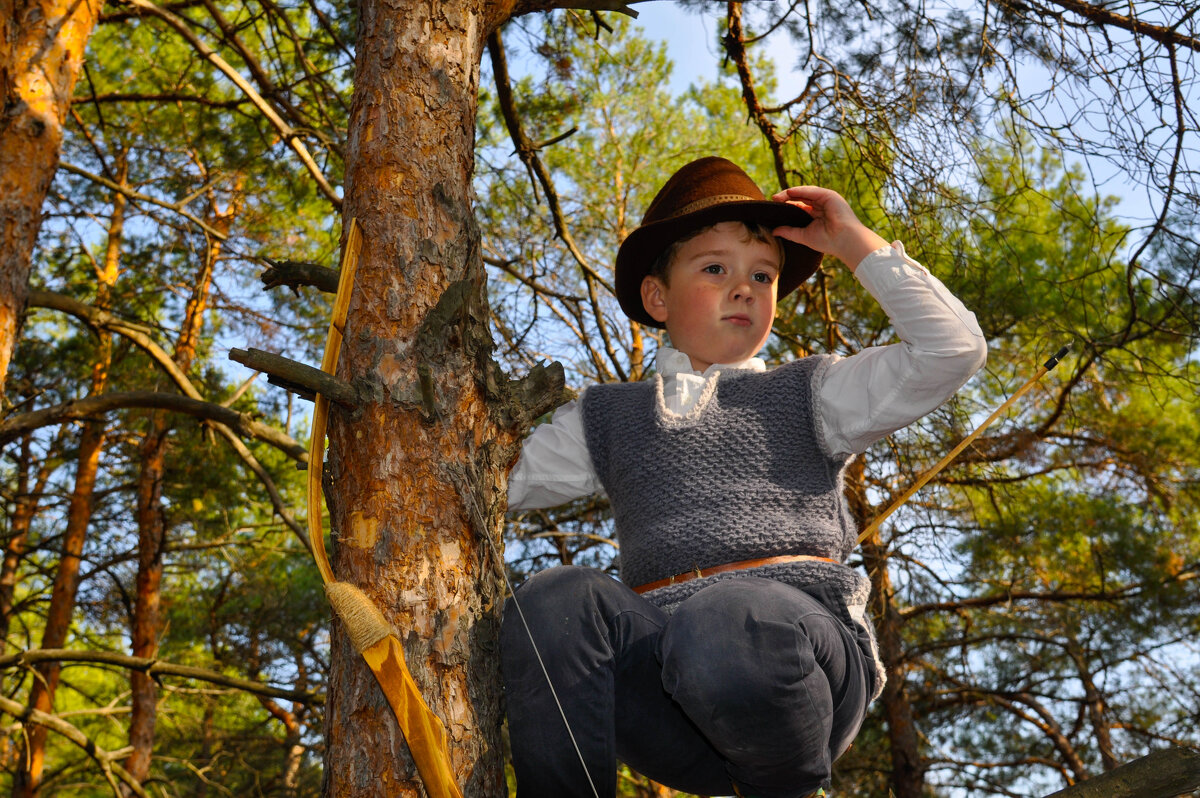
[734, 635]
[546, 608]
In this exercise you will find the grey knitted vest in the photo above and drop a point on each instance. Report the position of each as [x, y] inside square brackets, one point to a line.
[741, 476]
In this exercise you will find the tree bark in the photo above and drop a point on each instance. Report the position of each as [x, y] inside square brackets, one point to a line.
[152, 525]
[62, 603]
[25, 507]
[1164, 773]
[292, 744]
[41, 50]
[430, 449]
[1097, 709]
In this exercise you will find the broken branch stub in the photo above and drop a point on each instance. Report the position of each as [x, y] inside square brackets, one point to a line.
[302, 380]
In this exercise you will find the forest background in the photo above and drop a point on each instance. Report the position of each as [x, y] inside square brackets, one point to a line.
[165, 630]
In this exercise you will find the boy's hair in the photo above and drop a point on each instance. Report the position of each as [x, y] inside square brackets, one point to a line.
[753, 231]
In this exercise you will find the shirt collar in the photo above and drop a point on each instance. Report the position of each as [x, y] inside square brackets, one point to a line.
[673, 363]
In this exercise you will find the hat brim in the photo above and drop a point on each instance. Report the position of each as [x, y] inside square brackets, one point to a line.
[642, 247]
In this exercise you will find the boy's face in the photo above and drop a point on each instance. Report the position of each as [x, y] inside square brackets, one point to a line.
[718, 302]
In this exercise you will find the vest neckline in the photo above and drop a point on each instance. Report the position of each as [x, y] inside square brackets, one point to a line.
[669, 418]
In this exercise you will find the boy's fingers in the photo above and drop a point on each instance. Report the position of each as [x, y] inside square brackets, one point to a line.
[804, 206]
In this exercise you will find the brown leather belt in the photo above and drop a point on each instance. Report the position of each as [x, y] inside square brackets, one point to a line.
[700, 573]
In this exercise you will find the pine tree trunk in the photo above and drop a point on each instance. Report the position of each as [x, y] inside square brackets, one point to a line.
[41, 50]
[152, 533]
[79, 512]
[25, 507]
[152, 522]
[62, 603]
[908, 770]
[407, 470]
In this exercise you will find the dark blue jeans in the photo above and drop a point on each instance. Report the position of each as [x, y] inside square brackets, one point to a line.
[749, 682]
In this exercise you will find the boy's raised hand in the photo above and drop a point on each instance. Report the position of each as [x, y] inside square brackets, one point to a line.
[835, 229]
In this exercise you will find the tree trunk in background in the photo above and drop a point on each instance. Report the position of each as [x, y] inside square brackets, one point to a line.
[418, 332]
[908, 771]
[25, 507]
[41, 50]
[1093, 696]
[152, 525]
[79, 511]
[152, 521]
[62, 603]
[292, 744]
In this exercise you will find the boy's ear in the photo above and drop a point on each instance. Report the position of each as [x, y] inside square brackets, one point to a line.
[654, 298]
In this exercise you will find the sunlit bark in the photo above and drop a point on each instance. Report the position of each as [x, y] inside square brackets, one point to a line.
[400, 526]
[41, 50]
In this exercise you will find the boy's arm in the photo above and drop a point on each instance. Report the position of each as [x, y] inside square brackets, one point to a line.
[879, 390]
[554, 466]
[882, 389]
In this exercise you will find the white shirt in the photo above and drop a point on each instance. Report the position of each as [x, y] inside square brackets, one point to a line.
[864, 397]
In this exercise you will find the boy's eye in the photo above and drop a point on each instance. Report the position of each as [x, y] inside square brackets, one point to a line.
[714, 268]
[764, 277]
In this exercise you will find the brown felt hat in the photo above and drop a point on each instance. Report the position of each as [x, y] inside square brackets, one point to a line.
[705, 192]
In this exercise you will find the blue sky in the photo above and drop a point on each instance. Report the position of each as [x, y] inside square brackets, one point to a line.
[691, 39]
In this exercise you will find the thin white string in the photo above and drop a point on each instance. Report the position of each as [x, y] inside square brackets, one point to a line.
[483, 532]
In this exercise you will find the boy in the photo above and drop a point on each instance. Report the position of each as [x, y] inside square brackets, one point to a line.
[735, 655]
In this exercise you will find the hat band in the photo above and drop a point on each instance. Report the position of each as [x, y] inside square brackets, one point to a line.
[708, 202]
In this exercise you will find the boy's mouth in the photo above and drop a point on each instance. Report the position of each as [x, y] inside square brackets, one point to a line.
[740, 319]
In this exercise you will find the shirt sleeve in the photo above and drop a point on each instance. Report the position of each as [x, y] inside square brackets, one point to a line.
[555, 466]
[881, 389]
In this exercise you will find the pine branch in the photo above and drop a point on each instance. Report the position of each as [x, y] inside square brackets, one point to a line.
[1098, 15]
[289, 134]
[140, 335]
[156, 668]
[295, 273]
[528, 153]
[106, 760]
[299, 378]
[178, 207]
[1174, 771]
[620, 6]
[19, 424]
